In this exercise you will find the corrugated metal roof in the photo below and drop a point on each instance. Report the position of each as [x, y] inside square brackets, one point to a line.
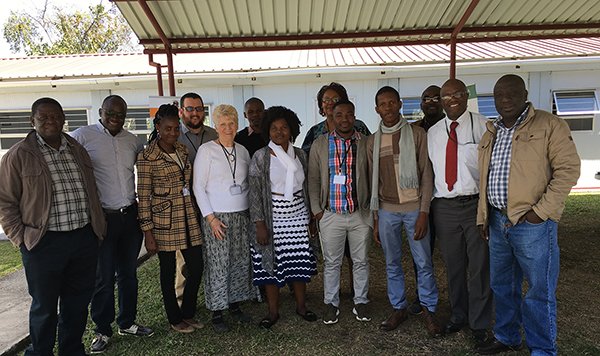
[226, 25]
[103, 65]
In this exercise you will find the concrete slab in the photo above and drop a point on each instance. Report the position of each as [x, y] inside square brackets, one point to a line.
[14, 311]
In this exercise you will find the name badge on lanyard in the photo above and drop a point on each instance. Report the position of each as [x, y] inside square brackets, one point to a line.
[339, 179]
[185, 191]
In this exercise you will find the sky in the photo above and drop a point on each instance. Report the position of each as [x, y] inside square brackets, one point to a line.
[29, 5]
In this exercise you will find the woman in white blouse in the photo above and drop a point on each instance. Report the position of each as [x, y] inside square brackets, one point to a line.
[221, 190]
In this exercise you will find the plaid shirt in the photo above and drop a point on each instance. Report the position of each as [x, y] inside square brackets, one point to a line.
[69, 207]
[497, 190]
[342, 160]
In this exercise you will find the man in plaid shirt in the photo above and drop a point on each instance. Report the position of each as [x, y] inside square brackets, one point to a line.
[528, 164]
[49, 208]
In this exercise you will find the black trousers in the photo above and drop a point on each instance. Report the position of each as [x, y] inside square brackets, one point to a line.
[117, 255]
[60, 269]
[195, 265]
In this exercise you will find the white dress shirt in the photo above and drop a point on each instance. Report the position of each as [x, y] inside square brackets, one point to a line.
[213, 179]
[113, 160]
[468, 133]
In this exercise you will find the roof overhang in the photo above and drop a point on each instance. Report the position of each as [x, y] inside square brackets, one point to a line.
[202, 26]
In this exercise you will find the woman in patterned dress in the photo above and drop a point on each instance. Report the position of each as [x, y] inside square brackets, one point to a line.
[221, 189]
[281, 252]
[167, 215]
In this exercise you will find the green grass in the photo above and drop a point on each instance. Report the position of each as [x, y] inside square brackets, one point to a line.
[10, 258]
[578, 305]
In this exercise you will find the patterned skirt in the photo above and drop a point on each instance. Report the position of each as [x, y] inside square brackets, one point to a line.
[294, 258]
[227, 270]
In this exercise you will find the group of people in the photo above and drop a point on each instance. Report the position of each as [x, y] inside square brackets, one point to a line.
[244, 209]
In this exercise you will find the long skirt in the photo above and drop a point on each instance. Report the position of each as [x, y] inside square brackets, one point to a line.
[227, 268]
[294, 257]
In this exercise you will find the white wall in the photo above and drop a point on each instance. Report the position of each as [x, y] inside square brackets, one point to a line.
[297, 90]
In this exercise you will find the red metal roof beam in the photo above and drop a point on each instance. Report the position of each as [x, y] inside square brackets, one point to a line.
[165, 41]
[454, 36]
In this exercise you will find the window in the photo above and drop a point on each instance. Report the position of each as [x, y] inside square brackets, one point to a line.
[15, 125]
[139, 122]
[487, 107]
[411, 109]
[577, 108]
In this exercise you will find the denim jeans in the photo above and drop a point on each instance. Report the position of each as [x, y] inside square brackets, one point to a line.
[118, 255]
[390, 234]
[530, 251]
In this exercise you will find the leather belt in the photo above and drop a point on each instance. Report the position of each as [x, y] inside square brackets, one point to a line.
[463, 198]
[123, 211]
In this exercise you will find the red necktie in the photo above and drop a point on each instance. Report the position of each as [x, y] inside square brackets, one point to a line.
[451, 156]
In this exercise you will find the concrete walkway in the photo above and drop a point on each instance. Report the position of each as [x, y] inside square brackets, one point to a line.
[14, 311]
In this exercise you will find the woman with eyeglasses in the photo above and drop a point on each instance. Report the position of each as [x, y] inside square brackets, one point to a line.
[327, 96]
[168, 215]
[221, 187]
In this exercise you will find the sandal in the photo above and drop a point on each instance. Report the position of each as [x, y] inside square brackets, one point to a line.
[308, 315]
[266, 322]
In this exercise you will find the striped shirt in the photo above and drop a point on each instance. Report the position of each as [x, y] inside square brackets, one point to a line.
[499, 172]
[342, 162]
[69, 207]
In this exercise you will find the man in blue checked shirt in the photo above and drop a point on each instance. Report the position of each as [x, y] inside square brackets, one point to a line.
[528, 164]
[339, 196]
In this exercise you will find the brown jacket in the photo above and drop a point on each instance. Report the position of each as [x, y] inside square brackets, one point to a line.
[163, 208]
[26, 192]
[544, 167]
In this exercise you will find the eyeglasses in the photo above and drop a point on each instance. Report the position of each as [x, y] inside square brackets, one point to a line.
[457, 95]
[194, 108]
[331, 100]
[115, 114]
[431, 99]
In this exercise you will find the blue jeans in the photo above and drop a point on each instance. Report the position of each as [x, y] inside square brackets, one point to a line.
[390, 234]
[117, 255]
[530, 251]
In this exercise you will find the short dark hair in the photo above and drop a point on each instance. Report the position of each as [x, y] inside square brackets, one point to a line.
[387, 89]
[191, 96]
[253, 100]
[275, 113]
[113, 96]
[45, 101]
[344, 102]
[337, 87]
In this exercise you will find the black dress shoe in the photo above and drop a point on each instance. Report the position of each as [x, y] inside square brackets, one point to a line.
[480, 336]
[494, 346]
[452, 328]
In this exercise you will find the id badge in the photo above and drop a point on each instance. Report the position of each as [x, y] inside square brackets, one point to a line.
[339, 179]
[235, 189]
[185, 191]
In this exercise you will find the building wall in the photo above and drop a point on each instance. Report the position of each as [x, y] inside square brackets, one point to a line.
[298, 92]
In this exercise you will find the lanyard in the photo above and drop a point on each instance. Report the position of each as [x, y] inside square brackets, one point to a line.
[337, 154]
[192, 143]
[472, 132]
[181, 167]
[231, 157]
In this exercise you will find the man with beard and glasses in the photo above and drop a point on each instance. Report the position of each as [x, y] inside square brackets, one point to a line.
[193, 134]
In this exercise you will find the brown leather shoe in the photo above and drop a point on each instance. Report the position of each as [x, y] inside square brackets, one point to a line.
[431, 324]
[394, 320]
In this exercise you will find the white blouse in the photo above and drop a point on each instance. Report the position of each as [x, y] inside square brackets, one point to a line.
[277, 175]
[213, 179]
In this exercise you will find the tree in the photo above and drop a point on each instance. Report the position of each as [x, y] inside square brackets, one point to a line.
[53, 30]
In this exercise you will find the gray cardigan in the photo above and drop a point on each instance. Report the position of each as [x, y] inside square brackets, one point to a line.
[259, 200]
